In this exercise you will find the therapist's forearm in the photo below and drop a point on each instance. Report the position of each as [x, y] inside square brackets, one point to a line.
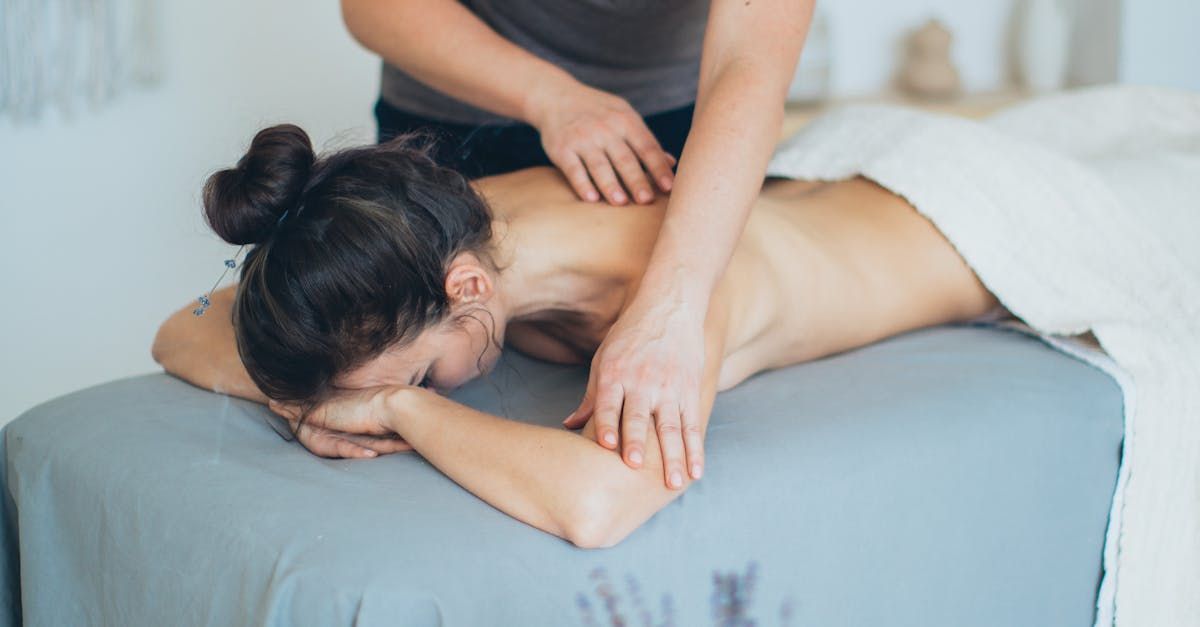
[442, 44]
[734, 131]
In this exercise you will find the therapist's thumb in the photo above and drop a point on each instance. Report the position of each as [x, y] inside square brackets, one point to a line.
[582, 414]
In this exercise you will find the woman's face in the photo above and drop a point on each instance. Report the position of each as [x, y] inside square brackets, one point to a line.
[457, 349]
[442, 357]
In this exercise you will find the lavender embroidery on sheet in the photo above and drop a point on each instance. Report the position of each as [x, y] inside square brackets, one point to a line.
[731, 600]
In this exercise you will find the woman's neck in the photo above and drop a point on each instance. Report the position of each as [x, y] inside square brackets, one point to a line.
[544, 268]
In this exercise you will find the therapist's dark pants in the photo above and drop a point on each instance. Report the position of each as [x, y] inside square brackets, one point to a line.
[495, 149]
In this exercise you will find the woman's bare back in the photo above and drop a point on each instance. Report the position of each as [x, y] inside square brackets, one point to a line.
[820, 268]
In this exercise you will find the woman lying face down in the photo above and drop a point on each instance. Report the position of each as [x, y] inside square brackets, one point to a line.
[378, 280]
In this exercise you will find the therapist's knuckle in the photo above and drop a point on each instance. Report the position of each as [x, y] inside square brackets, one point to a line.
[663, 385]
[597, 137]
[639, 417]
[612, 370]
[651, 154]
[640, 371]
[577, 175]
[602, 172]
[640, 134]
[628, 115]
[660, 376]
[626, 161]
[606, 411]
[668, 428]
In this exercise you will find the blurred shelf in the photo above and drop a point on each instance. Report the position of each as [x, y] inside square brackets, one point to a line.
[968, 106]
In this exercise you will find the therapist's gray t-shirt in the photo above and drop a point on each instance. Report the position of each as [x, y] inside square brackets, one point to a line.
[646, 51]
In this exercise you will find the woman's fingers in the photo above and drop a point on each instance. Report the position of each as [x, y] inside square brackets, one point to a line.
[601, 171]
[635, 420]
[324, 443]
[350, 450]
[288, 412]
[381, 445]
[630, 169]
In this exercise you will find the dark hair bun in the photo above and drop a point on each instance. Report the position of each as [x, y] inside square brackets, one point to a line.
[243, 204]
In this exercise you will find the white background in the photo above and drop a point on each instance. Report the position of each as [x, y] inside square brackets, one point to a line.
[100, 230]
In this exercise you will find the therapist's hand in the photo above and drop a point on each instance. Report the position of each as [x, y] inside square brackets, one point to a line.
[649, 368]
[600, 144]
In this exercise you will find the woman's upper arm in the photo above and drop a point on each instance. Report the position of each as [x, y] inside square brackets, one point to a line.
[202, 350]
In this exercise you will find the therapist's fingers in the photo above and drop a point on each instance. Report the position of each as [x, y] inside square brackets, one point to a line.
[671, 442]
[635, 420]
[630, 169]
[658, 163]
[693, 437]
[580, 416]
[600, 168]
[572, 167]
[610, 396]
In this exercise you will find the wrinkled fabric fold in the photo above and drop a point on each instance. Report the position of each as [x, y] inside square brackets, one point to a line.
[1080, 212]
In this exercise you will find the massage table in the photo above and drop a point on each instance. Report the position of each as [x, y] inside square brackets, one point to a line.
[954, 476]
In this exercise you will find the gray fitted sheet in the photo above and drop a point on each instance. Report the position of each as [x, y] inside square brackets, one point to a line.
[955, 476]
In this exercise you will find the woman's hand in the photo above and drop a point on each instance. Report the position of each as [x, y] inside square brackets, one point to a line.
[356, 424]
[599, 141]
[650, 364]
[326, 443]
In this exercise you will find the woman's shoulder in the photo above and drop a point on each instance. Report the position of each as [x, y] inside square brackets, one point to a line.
[527, 187]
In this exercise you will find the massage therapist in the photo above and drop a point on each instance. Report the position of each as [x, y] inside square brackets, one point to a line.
[608, 91]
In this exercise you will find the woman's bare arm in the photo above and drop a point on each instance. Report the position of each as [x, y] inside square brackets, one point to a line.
[202, 351]
[552, 479]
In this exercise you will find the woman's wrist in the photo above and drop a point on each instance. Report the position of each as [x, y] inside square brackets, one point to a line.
[402, 403]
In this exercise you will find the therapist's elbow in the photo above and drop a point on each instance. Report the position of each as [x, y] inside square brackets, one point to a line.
[363, 18]
[354, 16]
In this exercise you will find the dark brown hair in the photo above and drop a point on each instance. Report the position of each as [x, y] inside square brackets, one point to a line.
[349, 253]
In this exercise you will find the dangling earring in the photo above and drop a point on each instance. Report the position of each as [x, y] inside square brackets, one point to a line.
[205, 299]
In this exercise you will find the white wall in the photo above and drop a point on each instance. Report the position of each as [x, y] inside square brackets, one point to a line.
[100, 225]
[867, 39]
[1160, 43]
[100, 230]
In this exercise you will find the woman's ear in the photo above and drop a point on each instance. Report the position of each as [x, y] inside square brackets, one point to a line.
[468, 281]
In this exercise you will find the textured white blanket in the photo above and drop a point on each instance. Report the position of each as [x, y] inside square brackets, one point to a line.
[1080, 212]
